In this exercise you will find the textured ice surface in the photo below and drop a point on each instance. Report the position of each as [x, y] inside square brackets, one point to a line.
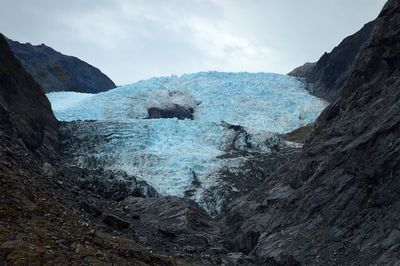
[65, 100]
[167, 152]
[271, 102]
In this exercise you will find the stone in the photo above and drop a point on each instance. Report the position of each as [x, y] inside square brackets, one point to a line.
[115, 221]
[90, 208]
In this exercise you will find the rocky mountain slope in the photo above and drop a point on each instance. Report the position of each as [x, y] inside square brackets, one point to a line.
[334, 202]
[42, 217]
[326, 77]
[54, 71]
[53, 213]
[337, 203]
[25, 111]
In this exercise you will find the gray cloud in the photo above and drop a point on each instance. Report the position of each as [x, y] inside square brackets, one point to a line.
[136, 39]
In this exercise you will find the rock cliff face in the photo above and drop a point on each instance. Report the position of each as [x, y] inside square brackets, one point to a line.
[45, 218]
[337, 203]
[25, 111]
[54, 213]
[57, 72]
[326, 77]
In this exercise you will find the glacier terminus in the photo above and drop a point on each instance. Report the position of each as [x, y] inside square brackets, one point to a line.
[227, 117]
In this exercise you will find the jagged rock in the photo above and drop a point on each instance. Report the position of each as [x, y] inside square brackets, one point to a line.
[177, 111]
[40, 217]
[299, 135]
[115, 221]
[25, 112]
[167, 232]
[282, 261]
[90, 208]
[337, 202]
[110, 184]
[57, 72]
[179, 221]
[326, 77]
[303, 71]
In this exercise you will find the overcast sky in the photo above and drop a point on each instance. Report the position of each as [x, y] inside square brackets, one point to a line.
[131, 40]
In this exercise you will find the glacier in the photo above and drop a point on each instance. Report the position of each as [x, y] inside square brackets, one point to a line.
[175, 155]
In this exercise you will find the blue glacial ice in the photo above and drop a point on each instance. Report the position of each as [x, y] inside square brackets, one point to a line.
[166, 152]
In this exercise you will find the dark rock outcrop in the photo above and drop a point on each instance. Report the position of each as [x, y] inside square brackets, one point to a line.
[179, 227]
[115, 221]
[303, 71]
[43, 217]
[177, 111]
[110, 184]
[25, 112]
[337, 203]
[326, 77]
[299, 135]
[181, 221]
[254, 161]
[57, 72]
